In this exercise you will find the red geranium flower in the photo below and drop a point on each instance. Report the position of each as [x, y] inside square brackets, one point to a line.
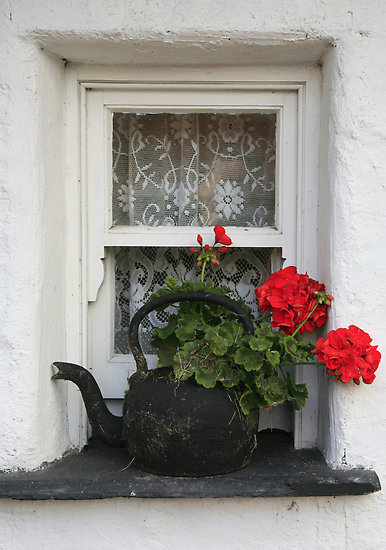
[221, 236]
[208, 254]
[291, 298]
[348, 354]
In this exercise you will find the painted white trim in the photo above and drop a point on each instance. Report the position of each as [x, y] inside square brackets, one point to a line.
[148, 236]
[76, 259]
[306, 420]
[193, 86]
[266, 75]
[300, 419]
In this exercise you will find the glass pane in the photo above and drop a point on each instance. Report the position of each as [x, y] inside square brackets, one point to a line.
[194, 169]
[141, 271]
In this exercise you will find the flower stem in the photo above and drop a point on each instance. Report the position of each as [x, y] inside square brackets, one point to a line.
[306, 319]
[203, 269]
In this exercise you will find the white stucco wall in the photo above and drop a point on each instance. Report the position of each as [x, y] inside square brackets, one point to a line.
[35, 36]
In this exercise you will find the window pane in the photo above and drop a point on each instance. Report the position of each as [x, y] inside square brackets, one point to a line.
[141, 271]
[194, 169]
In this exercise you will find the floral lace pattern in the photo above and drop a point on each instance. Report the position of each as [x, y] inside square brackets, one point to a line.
[194, 169]
[140, 271]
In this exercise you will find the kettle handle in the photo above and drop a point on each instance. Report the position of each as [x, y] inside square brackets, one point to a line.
[197, 296]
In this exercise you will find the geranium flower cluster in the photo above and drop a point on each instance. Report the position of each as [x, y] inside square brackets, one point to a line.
[348, 354]
[208, 254]
[297, 302]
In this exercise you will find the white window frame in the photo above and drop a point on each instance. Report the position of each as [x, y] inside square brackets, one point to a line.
[96, 94]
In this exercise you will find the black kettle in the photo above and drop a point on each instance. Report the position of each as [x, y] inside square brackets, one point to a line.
[171, 427]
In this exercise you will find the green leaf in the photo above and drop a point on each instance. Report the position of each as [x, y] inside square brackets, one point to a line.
[167, 350]
[184, 373]
[219, 340]
[229, 376]
[274, 391]
[249, 400]
[184, 353]
[171, 282]
[164, 332]
[305, 350]
[183, 360]
[234, 329]
[297, 349]
[265, 330]
[297, 392]
[276, 384]
[260, 344]
[187, 325]
[290, 345]
[206, 376]
[273, 357]
[268, 369]
[250, 360]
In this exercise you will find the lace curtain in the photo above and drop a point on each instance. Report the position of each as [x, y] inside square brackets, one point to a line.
[194, 169]
[139, 271]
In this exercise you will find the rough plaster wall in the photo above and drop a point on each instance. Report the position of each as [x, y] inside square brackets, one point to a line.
[234, 524]
[32, 286]
[352, 260]
[355, 165]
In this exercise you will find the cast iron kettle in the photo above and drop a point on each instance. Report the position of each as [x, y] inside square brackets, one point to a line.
[170, 427]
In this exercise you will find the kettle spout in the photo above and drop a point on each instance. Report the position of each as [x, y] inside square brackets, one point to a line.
[105, 425]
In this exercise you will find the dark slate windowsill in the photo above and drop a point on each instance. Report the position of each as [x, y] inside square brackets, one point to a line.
[103, 472]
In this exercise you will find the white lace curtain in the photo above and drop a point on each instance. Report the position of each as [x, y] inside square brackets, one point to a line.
[140, 271]
[194, 169]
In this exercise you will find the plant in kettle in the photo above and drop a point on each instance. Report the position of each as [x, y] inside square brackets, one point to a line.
[209, 344]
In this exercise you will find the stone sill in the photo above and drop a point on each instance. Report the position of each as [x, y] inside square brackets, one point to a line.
[276, 470]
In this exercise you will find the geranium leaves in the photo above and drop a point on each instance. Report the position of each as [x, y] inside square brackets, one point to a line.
[188, 323]
[163, 333]
[290, 345]
[297, 393]
[166, 350]
[273, 357]
[207, 343]
[221, 338]
[229, 376]
[185, 360]
[248, 359]
[191, 360]
[207, 376]
[248, 401]
[273, 391]
[218, 342]
[297, 349]
[260, 344]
